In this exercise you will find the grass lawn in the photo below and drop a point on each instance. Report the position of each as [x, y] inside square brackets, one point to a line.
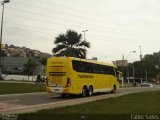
[13, 88]
[146, 104]
[138, 103]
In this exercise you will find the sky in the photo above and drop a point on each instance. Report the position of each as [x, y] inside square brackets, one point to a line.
[115, 27]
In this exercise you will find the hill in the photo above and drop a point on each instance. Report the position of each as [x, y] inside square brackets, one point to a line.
[16, 51]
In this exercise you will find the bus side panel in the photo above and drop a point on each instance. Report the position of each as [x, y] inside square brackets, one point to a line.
[100, 82]
[76, 82]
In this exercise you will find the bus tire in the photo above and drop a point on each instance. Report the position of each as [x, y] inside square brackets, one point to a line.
[64, 95]
[114, 89]
[84, 91]
[90, 90]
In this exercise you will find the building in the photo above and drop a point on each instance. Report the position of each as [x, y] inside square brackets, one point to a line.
[13, 64]
[120, 63]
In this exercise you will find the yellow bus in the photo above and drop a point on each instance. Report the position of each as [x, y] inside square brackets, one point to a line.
[69, 75]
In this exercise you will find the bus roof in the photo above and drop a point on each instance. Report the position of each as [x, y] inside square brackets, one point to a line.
[85, 60]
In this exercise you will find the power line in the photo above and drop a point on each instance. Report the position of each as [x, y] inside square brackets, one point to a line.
[46, 21]
[28, 29]
[58, 18]
[88, 24]
[75, 10]
[107, 39]
[43, 30]
[35, 27]
[36, 19]
[62, 24]
[99, 28]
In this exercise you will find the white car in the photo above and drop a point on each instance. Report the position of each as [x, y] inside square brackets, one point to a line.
[146, 84]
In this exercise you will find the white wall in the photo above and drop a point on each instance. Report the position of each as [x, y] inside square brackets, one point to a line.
[19, 77]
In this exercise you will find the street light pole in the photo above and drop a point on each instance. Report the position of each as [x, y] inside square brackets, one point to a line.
[140, 53]
[2, 3]
[84, 31]
[146, 74]
[127, 65]
[130, 53]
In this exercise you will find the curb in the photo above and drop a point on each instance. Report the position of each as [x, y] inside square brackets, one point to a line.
[21, 94]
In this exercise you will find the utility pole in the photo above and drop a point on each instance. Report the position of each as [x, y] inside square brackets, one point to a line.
[134, 77]
[2, 3]
[84, 31]
[123, 70]
[140, 53]
[128, 65]
[146, 75]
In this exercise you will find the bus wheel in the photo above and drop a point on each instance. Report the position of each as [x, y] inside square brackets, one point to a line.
[84, 91]
[114, 89]
[64, 95]
[90, 91]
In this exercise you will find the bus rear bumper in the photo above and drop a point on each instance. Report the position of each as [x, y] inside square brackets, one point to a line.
[57, 90]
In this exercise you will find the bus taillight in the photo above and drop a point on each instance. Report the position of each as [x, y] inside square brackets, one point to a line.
[68, 84]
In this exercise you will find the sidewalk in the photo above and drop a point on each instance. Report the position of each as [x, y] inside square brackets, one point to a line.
[17, 81]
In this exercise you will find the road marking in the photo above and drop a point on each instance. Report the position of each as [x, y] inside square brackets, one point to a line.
[9, 101]
[9, 104]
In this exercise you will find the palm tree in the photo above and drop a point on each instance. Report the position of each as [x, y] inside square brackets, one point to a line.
[70, 44]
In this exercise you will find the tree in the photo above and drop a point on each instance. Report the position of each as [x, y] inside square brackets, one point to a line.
[29, 67]
[155, 60]
[70, 44]
[43, 61]
[142, 66]
[2, 53]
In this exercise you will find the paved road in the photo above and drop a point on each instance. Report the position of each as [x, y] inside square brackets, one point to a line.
[31, 102]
